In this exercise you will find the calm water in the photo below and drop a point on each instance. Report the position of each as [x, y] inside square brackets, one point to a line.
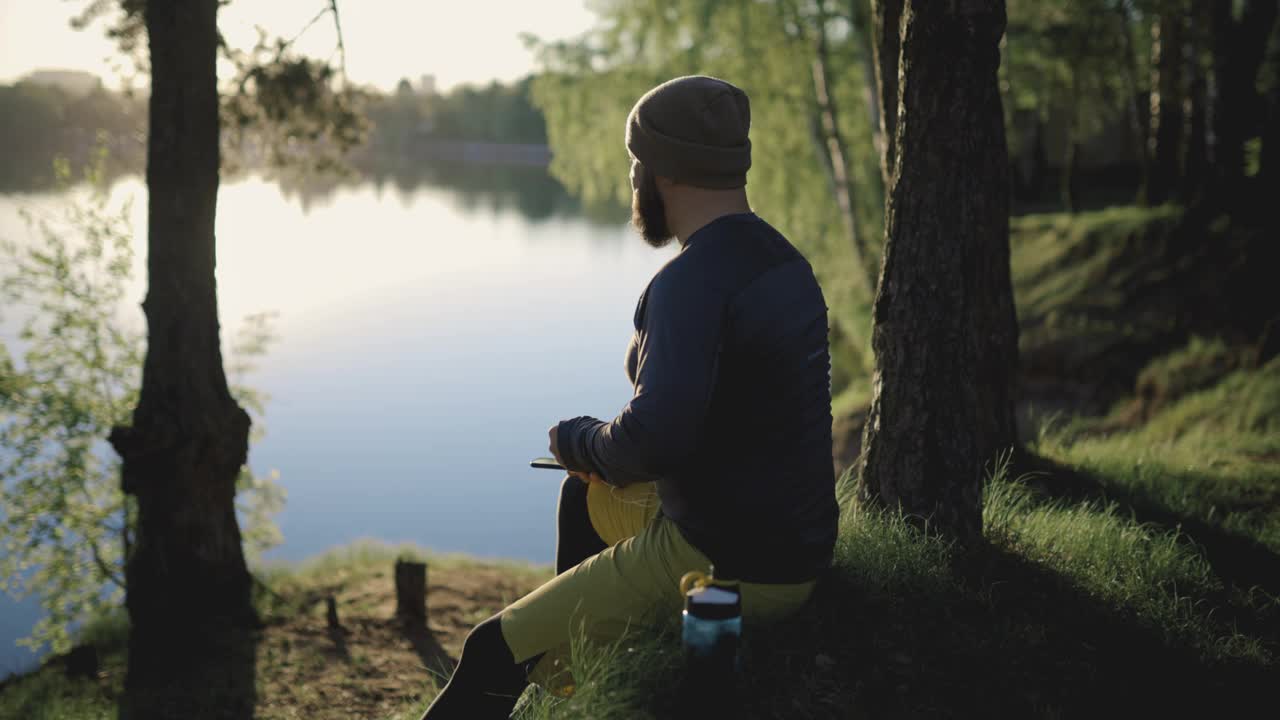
[429, 334]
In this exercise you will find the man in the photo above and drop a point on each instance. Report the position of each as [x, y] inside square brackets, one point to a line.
[723, 455]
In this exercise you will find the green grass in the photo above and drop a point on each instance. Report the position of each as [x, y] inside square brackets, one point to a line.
[1100, 294]
[1209, 458]
[50, 695]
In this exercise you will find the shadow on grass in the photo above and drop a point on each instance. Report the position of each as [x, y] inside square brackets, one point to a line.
[430, 651]
[1238, 560]
[1012, 640]
[999, 637]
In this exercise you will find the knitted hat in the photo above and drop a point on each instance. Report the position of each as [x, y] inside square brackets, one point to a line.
[693, 130]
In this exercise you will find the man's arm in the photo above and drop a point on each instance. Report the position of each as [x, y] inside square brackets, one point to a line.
[675, 374]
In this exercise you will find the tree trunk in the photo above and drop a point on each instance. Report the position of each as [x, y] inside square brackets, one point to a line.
[837, 165]
[1165, 143]
[1269, 173]
[860, 20]
[886, 17]
[1071, 153]
[1070, 172]
[188, 589]
[1136, 114]
[1195, 162]
[1238, 50]
[944, 334]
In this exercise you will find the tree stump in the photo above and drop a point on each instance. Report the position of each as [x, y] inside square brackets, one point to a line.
[411, 590]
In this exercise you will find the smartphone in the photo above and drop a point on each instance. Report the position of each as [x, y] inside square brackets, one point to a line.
[548, 463]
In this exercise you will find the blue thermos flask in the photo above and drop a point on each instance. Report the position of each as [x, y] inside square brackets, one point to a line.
[711, 627]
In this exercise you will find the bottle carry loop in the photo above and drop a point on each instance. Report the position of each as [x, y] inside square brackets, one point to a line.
[696, 580]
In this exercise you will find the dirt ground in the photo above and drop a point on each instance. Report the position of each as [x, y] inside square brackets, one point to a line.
[375, 666]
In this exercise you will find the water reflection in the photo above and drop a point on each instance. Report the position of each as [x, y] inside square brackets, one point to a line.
[432, 326]
[493, 189]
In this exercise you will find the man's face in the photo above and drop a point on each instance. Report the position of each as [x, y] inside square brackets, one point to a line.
[648, 214]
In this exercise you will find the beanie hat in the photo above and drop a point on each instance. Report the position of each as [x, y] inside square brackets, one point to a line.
[693, 130]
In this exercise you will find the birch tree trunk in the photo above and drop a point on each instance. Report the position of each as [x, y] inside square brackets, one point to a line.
[837, 155]
[886, 16]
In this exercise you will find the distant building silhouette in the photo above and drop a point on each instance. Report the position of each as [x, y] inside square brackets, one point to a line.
[427, 84]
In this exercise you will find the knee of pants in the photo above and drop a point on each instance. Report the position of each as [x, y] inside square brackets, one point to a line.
[486, 640]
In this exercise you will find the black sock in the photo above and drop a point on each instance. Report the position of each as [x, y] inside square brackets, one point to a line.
[576, 540]
[487, 681]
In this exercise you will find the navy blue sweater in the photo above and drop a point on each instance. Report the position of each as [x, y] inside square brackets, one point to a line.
[731, 415]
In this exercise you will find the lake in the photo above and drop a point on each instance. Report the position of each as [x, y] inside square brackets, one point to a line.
[431, 328]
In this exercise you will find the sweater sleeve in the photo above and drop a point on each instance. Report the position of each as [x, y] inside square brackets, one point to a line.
[675, 374]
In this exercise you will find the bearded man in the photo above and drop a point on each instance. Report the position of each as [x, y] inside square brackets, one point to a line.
[723, 455]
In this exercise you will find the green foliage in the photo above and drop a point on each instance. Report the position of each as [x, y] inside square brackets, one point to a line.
[401, 122]
[299, 110]
[74, 373]
[587, 86]
[292, 105]
[1071, 59]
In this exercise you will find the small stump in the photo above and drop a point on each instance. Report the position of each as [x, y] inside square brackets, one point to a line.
[411, 590]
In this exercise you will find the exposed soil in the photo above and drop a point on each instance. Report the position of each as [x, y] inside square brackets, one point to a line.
[375, 666]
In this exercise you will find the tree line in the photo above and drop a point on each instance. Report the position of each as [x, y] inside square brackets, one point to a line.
[41, 122]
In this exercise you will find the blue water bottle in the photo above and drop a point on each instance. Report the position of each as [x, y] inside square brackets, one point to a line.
[711, 629]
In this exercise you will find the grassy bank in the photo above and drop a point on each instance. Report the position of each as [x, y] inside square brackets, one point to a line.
[1100, 294]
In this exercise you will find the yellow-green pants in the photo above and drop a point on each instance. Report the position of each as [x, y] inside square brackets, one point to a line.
[627, 585]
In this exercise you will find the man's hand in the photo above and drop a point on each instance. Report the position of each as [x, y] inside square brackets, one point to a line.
[554, 446]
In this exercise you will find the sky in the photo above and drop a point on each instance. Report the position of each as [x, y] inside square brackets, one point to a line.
[457, 41]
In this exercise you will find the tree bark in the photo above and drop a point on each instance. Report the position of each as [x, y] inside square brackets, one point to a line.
[944, 334]
[886, 22]
[188, 589]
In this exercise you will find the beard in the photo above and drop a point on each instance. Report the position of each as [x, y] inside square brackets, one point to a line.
[648, 213]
